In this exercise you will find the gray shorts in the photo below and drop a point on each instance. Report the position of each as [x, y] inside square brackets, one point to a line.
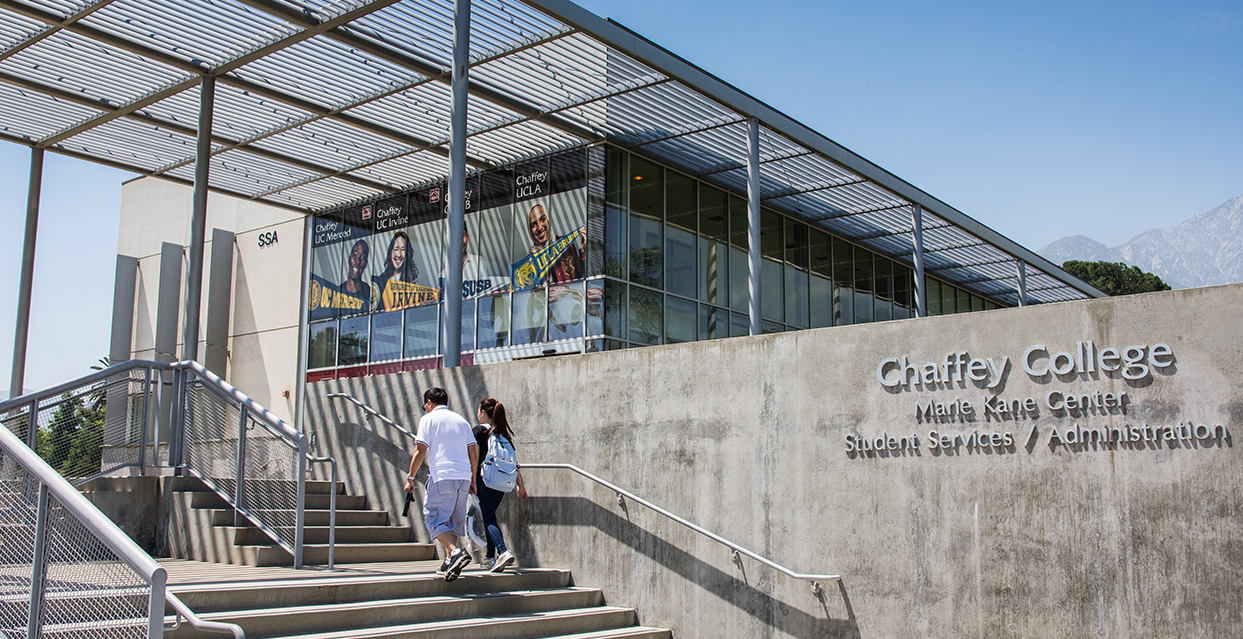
[444, 507]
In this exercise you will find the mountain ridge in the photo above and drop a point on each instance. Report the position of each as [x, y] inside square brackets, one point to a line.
[1203, 250]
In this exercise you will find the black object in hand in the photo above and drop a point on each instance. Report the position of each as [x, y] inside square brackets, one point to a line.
[405, 511]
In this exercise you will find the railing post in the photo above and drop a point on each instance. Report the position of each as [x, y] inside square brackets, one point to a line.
[300, 512]
[146, 423]
[155, 608]
[176, 416]
[32, 423]
[38, 566]
[241, 465]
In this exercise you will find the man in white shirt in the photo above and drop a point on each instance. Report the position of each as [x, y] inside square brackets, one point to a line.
[446, 441]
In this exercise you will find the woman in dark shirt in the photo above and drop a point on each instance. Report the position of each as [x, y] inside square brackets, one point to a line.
[492, 420]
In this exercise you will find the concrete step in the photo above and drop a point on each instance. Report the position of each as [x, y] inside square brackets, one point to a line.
[248, 595]
[317, 554]
[633, 632]
[213, 501]
[190, 484]
[356, 615]
[250, 536]
[224, 517]
[550, 623]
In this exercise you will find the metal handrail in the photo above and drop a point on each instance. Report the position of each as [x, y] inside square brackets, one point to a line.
[623, 494]
[111, 535]
[183, 611]
[371, 411]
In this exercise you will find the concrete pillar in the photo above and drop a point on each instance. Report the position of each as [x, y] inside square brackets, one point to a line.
[457, 185]
[753, 223]
[124, 290]
[198, 221]
[26, 284]
[219, 297]
[917, 236]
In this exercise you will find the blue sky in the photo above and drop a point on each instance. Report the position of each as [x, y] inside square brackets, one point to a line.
[1041, 120]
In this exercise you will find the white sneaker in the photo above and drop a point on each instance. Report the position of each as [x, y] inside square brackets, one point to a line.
[504, 561]
[487, 562]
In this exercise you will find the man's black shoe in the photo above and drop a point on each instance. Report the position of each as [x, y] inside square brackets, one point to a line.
[456, 561]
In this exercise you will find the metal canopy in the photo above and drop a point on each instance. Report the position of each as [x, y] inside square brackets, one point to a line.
[321, 103]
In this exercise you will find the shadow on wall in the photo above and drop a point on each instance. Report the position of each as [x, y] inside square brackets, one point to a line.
[581, 511]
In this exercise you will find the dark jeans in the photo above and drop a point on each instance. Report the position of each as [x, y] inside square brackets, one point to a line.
[489, 501]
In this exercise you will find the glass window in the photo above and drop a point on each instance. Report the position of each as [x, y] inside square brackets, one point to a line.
[772, 300]
[864, 285]
[680, 216]
[493, 321]
[964, 301]
[771, 327]
[713, 322]
[949, 298]
[595, 307]
[322, 347]
[903, 282]
[614, 308]
[990, 305]
[386, 336]
[843, 277]
[646, 208]
[646, 316]
[820, 293]
[680, 320]
[599, 345]
[422, 331]
[352, 347]
[739, 296]
[565, 311]
[933, 296]
[883, 280]
[739, 325]
[796, 251]
[596, 186]
[617, 201]
[468, 325]
[713, 246]
[530, 316]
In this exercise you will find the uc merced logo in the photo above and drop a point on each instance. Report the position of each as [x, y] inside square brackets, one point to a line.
[525, 275]
[314, 296]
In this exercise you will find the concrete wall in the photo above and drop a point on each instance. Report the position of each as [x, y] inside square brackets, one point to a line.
[267, 281]
[747, 437]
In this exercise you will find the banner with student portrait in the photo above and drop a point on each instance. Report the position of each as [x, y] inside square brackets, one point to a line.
[525, 232]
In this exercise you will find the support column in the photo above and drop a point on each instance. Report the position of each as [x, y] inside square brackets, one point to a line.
[20, 331]
[219, 295]
[198, 222]
[753, 223]
[304, 326]
[1022, 273]
[457, 185]
[917, 235]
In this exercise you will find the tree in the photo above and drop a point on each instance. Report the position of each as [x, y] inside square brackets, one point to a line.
[1115, 278]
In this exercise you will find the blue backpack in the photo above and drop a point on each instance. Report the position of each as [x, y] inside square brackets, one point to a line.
[500, 467]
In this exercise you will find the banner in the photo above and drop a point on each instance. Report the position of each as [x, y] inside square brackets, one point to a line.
[535, 268]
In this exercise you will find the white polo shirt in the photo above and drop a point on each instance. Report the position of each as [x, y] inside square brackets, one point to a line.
[446, 435]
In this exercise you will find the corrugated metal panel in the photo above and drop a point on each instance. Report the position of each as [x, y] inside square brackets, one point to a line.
[74, 63]
[133, 143]
[33, 115]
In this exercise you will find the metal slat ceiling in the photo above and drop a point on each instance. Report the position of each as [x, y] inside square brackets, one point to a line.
[323, 103]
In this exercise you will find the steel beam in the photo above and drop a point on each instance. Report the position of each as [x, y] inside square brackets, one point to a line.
[753, 224]
[198, 223]
[26, 283]
[452, 286]
[1021, 268]
[917, 237]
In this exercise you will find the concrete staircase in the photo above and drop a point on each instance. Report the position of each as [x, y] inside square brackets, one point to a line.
[359, 602]
[203, 528]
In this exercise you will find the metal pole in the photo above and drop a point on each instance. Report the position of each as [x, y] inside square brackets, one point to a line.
[198, 222]
[1022, 271]
[753, 222]
[38, 567]
[921, 287]
[304, 330]
[18, 378]
[240, 474]
[457, 185]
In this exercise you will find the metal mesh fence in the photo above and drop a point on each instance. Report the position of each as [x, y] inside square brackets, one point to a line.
[85, 589]
[91, 429]
[213, 428]
[88, 590]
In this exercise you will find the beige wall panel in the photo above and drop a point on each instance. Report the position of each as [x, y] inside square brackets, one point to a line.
[264, 366]
[267, 280]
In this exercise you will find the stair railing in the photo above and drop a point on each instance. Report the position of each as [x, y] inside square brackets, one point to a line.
[248, 455]
[70, 566]
[106, 421]
[736, 551]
